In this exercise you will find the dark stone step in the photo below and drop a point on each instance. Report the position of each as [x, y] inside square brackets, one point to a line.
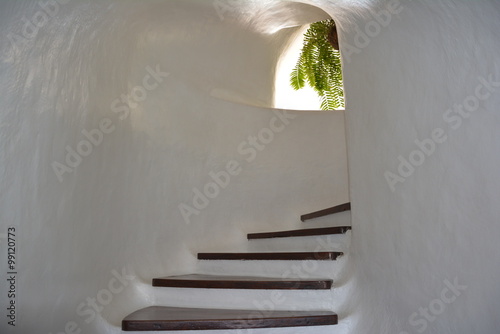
[240, 282]
[159, 318]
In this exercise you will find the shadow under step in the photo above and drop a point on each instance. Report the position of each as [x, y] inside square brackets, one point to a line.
[241, 282]
[326, 212]
[271, 256]
[300, 233]
[159, 318]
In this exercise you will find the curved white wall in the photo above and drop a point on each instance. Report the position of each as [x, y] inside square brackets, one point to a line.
[119, 208]
[421, 77]
[83, 222]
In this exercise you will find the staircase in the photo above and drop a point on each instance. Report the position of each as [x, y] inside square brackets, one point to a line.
[163, 318]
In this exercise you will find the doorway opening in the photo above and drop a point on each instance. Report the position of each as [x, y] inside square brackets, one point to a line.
[285, 97]
[311, 59]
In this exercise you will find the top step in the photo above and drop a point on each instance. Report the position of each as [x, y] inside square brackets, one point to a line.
[326, 212]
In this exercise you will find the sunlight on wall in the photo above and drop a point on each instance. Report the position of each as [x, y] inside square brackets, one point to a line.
[285, 96]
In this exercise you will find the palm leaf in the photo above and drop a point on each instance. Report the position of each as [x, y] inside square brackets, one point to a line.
[297, 77]
[319, 65]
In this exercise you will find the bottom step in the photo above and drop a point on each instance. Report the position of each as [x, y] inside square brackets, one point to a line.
[158, 318]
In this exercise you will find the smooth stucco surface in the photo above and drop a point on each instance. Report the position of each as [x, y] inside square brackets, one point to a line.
[423, 254]
[200, 90]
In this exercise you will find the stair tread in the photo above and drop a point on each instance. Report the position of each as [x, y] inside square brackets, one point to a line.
[271, 256]
[240, 282]
[325, 212]
[175, 318]
[300, 232]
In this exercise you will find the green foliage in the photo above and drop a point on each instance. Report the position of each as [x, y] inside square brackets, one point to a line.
[319, 66]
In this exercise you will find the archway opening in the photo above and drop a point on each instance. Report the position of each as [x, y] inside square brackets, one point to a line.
[308, 61]
[285, 96]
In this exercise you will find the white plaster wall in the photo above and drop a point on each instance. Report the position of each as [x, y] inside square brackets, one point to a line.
[119, 208]
[116, 212]
[441, 224]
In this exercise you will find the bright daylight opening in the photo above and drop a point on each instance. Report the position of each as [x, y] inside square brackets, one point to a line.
[285, 96]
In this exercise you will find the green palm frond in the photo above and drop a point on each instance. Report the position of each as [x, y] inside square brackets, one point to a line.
[298, 77]
[319, 65]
